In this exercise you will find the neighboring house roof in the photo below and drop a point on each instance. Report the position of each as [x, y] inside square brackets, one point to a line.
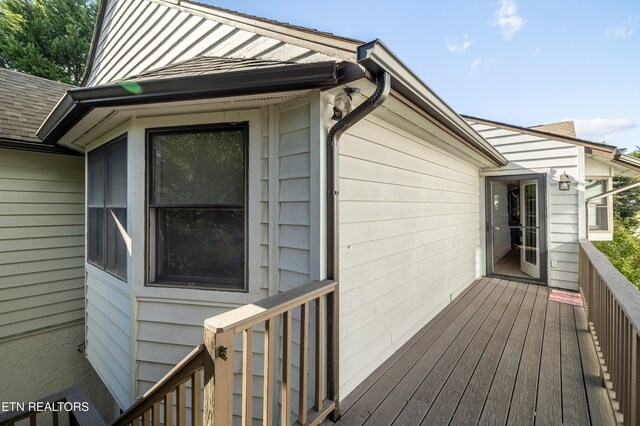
[25, 102]
[609, 152]
[564, 128]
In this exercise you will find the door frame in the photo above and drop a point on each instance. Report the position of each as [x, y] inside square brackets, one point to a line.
[542, 215]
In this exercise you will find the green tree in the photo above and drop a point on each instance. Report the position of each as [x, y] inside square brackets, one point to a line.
[46, 38]
[624, 251]
[627, 204]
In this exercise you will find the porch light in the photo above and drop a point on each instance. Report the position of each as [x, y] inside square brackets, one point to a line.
[565, 182]
[342, 103]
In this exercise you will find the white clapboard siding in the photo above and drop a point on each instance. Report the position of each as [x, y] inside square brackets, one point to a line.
[532, 154]
[140, 35]
[294, 193]
[409, 238]
[41, 241]
[109, 333]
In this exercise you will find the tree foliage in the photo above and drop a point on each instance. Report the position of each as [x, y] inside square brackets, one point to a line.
[46, 38]
[624, 251]
[627, 204]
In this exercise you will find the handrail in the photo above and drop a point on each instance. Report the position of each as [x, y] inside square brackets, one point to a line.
[249, 315]
[613, 309]
[86, 416]
[220, 334]
[625, 293]
[216, 355]
[178, 375]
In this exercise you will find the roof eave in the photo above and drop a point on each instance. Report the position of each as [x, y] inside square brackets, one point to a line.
[627, 161]
[78, 102]
[376, 57]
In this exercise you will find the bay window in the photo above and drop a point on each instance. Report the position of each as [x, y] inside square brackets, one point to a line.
[107, 207]
[197, 190]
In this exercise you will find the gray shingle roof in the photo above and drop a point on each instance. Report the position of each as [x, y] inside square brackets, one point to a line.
[205, 65]
[25, 102]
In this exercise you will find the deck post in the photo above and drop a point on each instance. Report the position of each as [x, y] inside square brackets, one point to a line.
[218, 378]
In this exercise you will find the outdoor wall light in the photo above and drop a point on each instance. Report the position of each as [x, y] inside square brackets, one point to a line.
[342, 103]
[565, 182]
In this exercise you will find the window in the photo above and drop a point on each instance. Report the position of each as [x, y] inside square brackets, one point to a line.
[197, 199]
[107, 208]
[599, 210]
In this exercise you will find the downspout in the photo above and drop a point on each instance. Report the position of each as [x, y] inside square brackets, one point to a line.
[383, 87]
[600, 196]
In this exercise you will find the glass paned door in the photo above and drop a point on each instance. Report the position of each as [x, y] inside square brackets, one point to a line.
[530, 251]
[515, 232]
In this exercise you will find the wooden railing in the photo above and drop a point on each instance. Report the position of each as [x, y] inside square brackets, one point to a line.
[72, 402]
[216, 355]
[613, 308]
[157, 405]
[220, 334]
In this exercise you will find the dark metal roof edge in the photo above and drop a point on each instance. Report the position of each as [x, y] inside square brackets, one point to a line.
[569, 139]
[37, 147]
[377, 57]
[78, 102]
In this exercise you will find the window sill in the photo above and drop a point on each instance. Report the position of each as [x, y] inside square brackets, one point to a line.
[197, 296]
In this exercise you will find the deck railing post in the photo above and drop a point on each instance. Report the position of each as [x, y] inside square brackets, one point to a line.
[632, 409]
[218, 378]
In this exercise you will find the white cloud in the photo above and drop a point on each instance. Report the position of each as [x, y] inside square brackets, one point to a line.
[623, 31]
[459, 44]
[478, 65]
[620, 32]
[507, 19]
[536, 52]
[601, 129]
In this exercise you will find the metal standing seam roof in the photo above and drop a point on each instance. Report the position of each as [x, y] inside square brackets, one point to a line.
[25, 102]
[206, 65]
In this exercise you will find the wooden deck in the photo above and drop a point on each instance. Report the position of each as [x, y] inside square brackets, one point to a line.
[501, 353]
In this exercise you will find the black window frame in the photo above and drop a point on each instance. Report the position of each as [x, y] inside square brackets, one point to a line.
[152, 213]
[123, 138]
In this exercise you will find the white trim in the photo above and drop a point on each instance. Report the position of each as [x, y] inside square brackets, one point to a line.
[580, 187]
[274, 196]
[135, 228]
[318, 107]
[253, 258]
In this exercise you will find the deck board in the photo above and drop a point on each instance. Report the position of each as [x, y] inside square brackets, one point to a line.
[494, 378]
[501, 353]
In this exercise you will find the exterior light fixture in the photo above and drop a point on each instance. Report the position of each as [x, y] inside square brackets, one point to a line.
[342, 103]
[565, 182]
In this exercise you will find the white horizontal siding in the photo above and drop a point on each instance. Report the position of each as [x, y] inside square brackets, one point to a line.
[41, 241]
[109, 333]
[294, 193]
[532, 154]
[409, 240]
[140, 35]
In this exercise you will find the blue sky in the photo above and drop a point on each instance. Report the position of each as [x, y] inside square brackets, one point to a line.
[515, 61]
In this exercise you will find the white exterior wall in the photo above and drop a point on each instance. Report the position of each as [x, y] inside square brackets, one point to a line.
[136, 332]
[532, 154]
[47, 361]
[41, 241]
[409, 240]
[41, 278]
[140, 35]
